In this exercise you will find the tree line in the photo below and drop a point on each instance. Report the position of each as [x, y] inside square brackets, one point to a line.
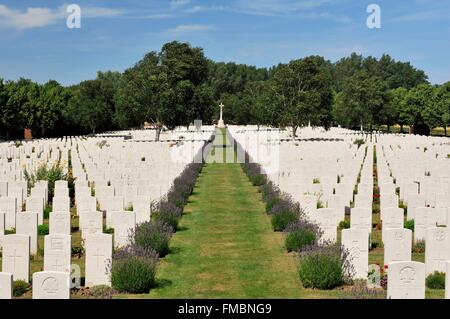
[178, 84]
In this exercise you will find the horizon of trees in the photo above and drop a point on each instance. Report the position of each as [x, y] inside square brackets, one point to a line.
[179, 84]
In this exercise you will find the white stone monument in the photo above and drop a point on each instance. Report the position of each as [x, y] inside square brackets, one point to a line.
[59, 223]
[51, 285]
[27, 224]
[57, 253]
[397, 245]
[406, 280]
[221, 123]
[16, 256]
[356, 241]
[98, 259]
[6, 287]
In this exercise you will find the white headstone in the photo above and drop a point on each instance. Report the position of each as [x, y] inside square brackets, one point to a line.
[98, 259]
[61, 204]
[437, 251]
[406, 280]
[393, 218]
[8, 205]
[59, 223]
[57, 253]
[397, 245]
[6, 285]
[36, 205]
[51, 285]
[361, 218]
[91, 223]
[27, 224]
[356, 241]
[16, 256]
[2, 227]
[125, 224]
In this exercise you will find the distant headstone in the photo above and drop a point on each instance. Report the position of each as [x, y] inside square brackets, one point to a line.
[59, 223]
[27, 224]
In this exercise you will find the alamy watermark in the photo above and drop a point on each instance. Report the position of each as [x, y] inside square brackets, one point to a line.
[374, 19]
[74, 18]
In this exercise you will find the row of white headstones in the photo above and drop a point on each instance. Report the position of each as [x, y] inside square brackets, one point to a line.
[59, 275]
[309, 169]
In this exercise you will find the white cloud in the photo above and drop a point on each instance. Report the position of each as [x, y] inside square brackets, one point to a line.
[41, 17]
[189, 29]
[174, 4]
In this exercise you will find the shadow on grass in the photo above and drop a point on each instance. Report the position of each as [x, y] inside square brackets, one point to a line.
[162, 283]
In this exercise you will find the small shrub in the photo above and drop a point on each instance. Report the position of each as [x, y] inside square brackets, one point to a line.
[153, 235]
[168, 213]
[436, 280]
[43, 230]
[324, 267]
[282, 219]
[133, 270]
[419, 247]
[258, 180]
[301, 234]
[345, 224]
[299, 239]
[20, 288]
[45, 173]
[409, 224]
[99, 292]
[272, 202]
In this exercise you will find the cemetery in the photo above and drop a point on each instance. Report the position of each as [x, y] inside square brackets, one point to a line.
[307, 170]
[376, 206]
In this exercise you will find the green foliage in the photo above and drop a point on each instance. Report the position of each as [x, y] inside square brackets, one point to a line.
[258, 180]
[409, 224]
[419, 247]
[43, 230]
[345, 224]
[298, 239]
[153, 235]
[133, 272]
[282, 219]
[20, 288]
[44, 173]
[436, 280]
[322, 268]
[47, 211]
[271, 202]
[359, 142]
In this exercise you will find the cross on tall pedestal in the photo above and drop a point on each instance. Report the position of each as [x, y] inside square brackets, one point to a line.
[221, 123]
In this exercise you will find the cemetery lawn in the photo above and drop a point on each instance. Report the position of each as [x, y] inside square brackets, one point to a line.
[226, 247]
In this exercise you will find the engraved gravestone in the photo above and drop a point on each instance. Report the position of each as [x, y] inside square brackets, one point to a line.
[51, 285]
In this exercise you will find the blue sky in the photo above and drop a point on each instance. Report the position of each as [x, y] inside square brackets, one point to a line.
[36, 43]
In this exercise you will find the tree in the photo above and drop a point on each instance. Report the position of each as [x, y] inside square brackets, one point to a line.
[93, 102]
[417, 101]
[303, 92]
[52, 103]
[437, 112]
[165, 88]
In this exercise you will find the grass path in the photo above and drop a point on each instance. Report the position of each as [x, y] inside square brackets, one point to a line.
[226, 247]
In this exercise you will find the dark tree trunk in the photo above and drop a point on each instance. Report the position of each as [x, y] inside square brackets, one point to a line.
[445, 130]
[294, 131]
[158, 133]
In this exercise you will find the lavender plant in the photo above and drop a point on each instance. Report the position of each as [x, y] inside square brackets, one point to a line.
[325, 266]
[133, 269]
